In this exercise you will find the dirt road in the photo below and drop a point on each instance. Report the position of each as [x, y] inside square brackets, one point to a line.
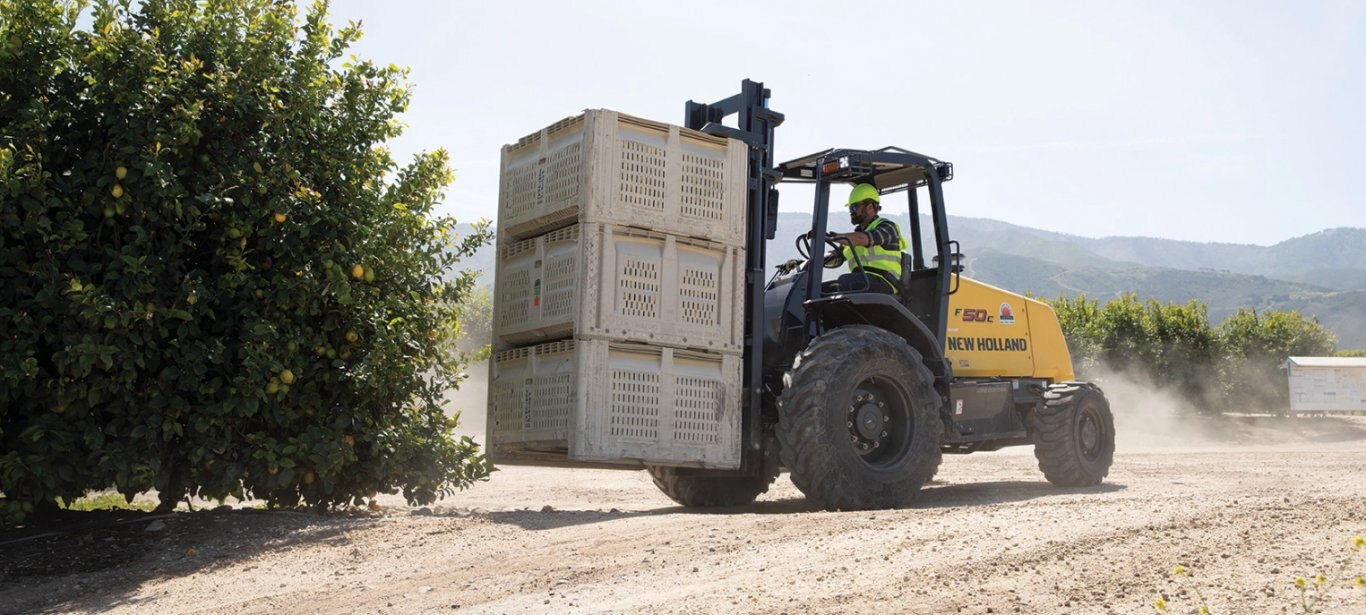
[1246, 513]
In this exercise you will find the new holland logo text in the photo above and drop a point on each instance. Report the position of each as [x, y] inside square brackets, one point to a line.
[988, 344]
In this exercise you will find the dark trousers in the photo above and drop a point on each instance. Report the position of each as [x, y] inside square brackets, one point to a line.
[858, 282]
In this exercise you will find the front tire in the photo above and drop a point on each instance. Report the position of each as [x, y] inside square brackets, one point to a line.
[858, 420]
[1074, 435]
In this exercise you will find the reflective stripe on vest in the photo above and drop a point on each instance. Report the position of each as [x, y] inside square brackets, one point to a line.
[878, 258]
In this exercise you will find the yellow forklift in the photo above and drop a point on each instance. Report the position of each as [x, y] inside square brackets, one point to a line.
[859, 394]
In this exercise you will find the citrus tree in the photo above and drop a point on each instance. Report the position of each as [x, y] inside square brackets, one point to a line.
[1172, 346]
[214, 278]
[1257, 348]
[1236, 365]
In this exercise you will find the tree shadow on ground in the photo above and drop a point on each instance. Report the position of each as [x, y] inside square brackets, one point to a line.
[96, 560]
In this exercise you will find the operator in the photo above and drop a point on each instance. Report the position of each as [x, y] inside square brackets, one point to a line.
[876, 242]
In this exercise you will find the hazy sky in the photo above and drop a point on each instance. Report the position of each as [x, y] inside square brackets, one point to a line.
[1228, 121]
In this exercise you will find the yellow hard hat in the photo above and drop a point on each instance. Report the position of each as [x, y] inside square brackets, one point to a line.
[864, 192]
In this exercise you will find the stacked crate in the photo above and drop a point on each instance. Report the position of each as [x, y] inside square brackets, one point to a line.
[618, 308]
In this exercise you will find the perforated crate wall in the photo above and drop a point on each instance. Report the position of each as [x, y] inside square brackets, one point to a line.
[527, 392]
[601, 281]
[616, 402]
[608, 167]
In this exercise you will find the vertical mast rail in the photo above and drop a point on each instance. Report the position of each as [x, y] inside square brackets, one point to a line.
[756, 123]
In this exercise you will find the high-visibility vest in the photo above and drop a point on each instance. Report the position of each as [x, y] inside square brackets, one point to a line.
[887, 262]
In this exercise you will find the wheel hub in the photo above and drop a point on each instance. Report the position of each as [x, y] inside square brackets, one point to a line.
[1089, 435]
[869, 421]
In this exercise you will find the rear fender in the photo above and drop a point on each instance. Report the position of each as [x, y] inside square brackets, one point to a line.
[886, 312]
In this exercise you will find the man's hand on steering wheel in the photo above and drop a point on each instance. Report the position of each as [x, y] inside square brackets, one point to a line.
[848, 239]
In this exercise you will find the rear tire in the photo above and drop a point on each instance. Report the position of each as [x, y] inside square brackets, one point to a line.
[1074, 435]
[858, 420]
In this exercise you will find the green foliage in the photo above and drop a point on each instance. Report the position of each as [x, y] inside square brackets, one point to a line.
[214, 279]
[1168, 343]
[474, 336]
[110, 501]
[1256, 347]
[1236, 365]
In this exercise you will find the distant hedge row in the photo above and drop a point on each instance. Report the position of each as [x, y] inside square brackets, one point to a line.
[1235, 366]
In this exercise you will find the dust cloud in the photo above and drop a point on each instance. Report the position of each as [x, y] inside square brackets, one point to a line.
[1153, 419]
[471, 401]
[1150, 418]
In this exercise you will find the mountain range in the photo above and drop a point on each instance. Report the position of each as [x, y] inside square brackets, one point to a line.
[1322, 275]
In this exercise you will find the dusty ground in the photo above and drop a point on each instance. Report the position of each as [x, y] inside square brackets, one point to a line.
[1246, 505]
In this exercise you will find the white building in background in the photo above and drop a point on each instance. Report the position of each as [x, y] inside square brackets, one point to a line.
[1327, 384]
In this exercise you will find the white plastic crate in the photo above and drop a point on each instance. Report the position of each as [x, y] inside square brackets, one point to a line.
[615, 402]
[603, 166]
[600, 281]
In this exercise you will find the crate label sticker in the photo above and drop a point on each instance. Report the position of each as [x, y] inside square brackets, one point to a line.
[540, 188]
[536, 293]
[526, 407]
[958, 406]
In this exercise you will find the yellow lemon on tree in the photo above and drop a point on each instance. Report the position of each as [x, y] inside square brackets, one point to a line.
[309, 477]
[272, 388]
[352, 336]
[279, 217]
[287, 377]
[350, 441]
[121, 172]
[117, 191]
[369, 275]
[358, 272]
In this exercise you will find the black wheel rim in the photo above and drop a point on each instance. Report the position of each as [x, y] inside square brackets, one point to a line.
[879, 418]
[1090, 433]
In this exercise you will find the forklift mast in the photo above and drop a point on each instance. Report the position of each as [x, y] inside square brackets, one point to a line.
[755, 123]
